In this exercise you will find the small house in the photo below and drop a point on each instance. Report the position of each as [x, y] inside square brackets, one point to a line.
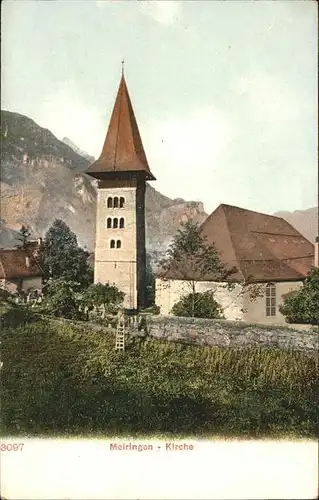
[20, 270]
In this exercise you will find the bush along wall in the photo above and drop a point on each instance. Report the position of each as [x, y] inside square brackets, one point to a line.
[63, 380]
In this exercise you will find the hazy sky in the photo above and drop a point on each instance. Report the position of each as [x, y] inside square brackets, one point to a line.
[225, 93]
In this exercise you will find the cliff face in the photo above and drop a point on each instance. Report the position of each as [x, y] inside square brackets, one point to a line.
[165, 216]
[42, 179]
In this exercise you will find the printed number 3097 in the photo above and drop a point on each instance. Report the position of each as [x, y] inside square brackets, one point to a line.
[11, 447]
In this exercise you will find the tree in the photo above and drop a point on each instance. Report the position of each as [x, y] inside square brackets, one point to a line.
[205, 306]
[302, 306]
[61, 257]
[61, 300]
[110, 297]
[23, 236]
[192, 259]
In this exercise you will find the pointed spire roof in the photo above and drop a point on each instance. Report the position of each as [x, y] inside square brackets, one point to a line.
[123, 149]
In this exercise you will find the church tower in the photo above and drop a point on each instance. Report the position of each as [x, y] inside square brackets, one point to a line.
[122, 171]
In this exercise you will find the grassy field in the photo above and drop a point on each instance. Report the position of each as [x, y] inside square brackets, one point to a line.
[65, 381]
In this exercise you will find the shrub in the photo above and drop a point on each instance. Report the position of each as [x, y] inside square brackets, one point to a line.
[152, 310]
[12, 315]
[109, 297]
[302, 306]
[61, 300]
[204, 306]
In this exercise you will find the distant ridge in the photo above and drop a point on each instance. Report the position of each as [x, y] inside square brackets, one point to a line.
[79, 151]
[305, 221]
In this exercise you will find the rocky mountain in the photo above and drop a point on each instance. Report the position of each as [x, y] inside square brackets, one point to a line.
[305, 221]
[79, 151]
[42, 179]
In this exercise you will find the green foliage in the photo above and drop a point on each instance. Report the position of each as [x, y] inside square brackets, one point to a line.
[103, 295]
[199, 305]
[192, 259]
[13, 315]
[5, 295]
[61, 300]
[302, 306]
[23, 236]
[61, 257]
[152, 310]
[59, 379]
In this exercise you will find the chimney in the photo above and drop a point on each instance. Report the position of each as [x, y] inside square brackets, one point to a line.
[27, 261]
[317, 252]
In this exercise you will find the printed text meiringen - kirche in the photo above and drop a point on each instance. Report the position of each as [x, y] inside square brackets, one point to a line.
[167, 446]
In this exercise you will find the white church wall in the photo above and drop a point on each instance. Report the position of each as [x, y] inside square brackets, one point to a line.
[237, 304]
[170, 292]
[255, 310]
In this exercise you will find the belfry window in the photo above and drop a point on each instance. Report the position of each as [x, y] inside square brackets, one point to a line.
[121, 222]
[118, 244]
[112, 244]
[271, 299]
[115, 202]
[115, 223]
[108, 222]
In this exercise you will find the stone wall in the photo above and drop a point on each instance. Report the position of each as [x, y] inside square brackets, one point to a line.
[225, 333]
[215, 333]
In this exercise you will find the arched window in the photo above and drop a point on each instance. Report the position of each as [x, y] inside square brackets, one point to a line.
[121, 222]
[115, 223]
[115, 202]
[112, 244]
[271, 299]
[122, 201]
[109, 202]
[108, 222]
[118, 244]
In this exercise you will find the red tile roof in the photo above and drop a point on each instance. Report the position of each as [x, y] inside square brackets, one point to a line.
[262, 247]
[13, 264]
[123, 149]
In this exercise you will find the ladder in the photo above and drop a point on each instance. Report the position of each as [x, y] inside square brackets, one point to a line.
[120, 335]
